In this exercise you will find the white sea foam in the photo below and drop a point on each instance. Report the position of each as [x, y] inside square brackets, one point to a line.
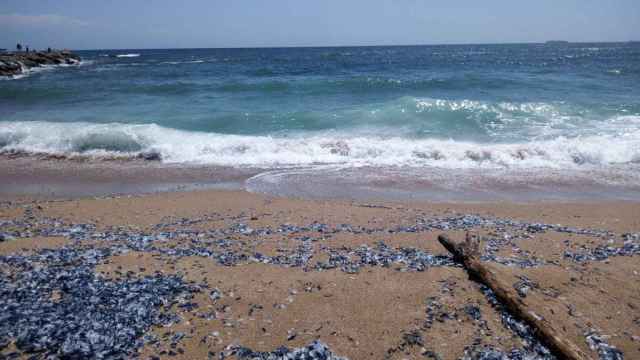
[127, 55]
[13, 77]
[176, 146]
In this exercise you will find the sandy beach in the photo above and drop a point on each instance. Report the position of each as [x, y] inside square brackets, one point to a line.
[252, 273]
[350, 192]
[320, 180]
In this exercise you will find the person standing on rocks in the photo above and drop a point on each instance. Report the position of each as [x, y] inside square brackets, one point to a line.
[19, 47]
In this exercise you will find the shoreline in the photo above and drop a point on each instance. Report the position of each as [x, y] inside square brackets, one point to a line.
[311, 204]
[29, 176]
[46, 176]
[239, 273]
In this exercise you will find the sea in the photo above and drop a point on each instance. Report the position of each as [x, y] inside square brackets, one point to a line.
[442, 122]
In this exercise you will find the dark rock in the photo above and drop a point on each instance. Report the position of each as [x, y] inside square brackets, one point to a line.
[17, 63]
[150, 156]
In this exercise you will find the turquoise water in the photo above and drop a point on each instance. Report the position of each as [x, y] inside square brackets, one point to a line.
[506, 108]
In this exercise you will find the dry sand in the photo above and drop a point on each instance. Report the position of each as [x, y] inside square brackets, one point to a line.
[368, 314]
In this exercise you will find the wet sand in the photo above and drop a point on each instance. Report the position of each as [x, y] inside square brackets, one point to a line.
[319, 273]
[47, 176]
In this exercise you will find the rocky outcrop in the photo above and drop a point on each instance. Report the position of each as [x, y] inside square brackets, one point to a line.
[17, 63]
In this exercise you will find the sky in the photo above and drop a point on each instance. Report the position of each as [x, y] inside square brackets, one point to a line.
[137, 24]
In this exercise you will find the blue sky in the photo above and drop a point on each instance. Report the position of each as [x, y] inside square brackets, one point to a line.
[91, 24]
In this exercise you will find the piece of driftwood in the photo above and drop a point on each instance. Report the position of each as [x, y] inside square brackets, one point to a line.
[468, 254]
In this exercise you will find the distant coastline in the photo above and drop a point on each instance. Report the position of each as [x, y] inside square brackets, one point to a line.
[327, 46]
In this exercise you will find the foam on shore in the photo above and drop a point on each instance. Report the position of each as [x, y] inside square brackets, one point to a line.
[178, 146]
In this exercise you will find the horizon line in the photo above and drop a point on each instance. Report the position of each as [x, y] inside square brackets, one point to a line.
[346, 46]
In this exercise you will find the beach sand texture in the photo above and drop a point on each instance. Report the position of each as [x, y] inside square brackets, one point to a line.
[369, 280]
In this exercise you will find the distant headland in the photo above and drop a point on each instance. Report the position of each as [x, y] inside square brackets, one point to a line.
[16, 63]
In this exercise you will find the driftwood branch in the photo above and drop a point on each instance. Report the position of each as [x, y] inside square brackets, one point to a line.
[468, 254]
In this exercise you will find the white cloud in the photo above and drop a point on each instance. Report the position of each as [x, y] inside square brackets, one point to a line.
[40, 20]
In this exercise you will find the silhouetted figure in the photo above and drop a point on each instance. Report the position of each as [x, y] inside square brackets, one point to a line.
[48, 50]
[19, 47]
[27, 49]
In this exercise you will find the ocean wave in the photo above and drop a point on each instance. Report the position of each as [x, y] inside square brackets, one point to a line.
[176, 146]
[405, 117]
[182, 62]
[164, 89]
[364, 84]
[264, 86]
[127, 55]
[476, 120]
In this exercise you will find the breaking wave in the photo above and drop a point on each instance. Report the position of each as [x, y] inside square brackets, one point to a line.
[177, 146]
[127, 55]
